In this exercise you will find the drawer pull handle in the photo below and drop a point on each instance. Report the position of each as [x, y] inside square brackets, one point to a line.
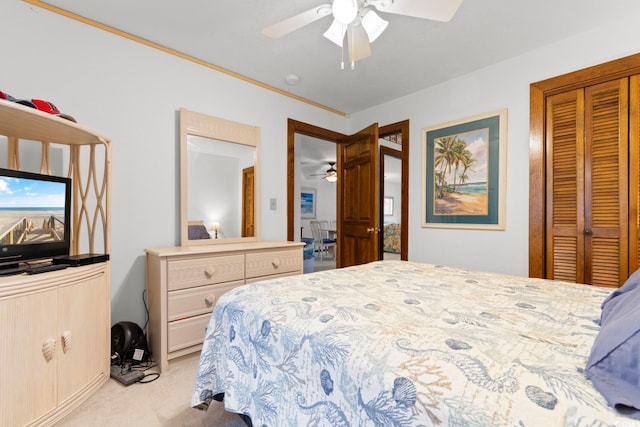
[210, 299]
[275, 263]
[209, 271]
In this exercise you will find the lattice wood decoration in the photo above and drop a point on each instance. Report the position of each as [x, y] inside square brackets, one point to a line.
[89, 167]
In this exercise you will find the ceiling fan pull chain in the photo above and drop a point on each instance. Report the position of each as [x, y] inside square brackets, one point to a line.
[351, 48]
[342, 56]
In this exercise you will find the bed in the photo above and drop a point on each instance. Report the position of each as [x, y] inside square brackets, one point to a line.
[397, 343]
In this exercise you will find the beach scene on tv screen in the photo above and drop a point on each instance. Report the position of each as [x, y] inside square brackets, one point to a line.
[31, 211]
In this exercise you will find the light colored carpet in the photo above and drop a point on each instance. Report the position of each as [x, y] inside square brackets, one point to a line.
[163, 402]
[327, 264]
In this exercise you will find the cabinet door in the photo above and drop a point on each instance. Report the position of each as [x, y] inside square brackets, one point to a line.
[28, 384]
[587, 185]
[83, 333]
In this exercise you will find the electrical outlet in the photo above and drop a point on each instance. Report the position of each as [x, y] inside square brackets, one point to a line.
[273, 204]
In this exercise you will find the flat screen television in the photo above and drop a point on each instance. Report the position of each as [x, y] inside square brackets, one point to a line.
[35, 217]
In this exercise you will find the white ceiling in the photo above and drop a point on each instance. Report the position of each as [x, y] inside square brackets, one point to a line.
[410, 55]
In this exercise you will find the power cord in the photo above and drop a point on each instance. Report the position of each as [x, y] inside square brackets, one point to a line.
[130, 365]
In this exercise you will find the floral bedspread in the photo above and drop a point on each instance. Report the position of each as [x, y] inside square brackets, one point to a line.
[396, 343]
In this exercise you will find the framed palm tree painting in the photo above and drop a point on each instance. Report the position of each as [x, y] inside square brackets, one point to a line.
[463, 173]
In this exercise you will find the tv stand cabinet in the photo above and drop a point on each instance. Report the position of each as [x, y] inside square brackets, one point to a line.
[56, 326]
[55, 342]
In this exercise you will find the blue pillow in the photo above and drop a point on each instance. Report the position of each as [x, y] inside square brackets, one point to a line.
[614, 362]
[608, 305]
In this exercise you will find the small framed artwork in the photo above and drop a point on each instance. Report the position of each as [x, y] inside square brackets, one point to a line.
[388, 206]
[307, 202]
[464, 173]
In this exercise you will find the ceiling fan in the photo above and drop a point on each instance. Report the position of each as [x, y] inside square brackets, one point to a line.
[360, 23]
[331, 174]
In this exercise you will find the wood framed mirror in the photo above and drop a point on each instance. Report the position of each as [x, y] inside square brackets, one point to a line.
[219, 191]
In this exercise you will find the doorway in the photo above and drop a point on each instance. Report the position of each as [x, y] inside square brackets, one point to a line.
[391, 201]
[399, 132]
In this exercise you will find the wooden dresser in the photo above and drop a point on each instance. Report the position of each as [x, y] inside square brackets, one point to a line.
[184, 283]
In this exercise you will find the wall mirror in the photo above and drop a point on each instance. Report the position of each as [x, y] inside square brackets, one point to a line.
[219, 192]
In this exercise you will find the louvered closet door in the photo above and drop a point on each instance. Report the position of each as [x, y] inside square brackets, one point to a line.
[634, 173]
[587, 184]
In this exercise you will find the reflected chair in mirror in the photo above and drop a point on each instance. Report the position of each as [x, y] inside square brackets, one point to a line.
[322, 243]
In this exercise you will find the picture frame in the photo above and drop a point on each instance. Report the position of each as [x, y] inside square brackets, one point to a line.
[464, 173]
[387, 209]
[308, 201]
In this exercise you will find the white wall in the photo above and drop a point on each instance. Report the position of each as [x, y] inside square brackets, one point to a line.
[131, 93]
[502, 85]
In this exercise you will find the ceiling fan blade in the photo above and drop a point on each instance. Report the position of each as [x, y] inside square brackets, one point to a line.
[435, 10]
[358, 41]
[296, 22]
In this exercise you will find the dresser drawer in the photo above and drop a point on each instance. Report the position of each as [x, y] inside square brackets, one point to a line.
[192, 272]
[187, 332]
[273, 262]
[192, 302]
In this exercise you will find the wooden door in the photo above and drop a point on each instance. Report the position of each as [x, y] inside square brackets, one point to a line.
[634, 173]
[358, 198]
[587, 184]
[248, 203]
[611, 102]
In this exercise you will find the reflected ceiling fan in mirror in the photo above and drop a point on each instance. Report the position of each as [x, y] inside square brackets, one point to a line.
[331, 174]
[357, 21]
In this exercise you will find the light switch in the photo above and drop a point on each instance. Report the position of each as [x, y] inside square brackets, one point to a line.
[273, 204]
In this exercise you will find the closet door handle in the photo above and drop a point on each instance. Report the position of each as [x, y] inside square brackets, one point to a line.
[588, 232]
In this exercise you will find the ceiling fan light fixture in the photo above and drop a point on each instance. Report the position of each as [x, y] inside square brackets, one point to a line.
[332, 174]
[336, 32]
[345, 11]
[373, 25]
